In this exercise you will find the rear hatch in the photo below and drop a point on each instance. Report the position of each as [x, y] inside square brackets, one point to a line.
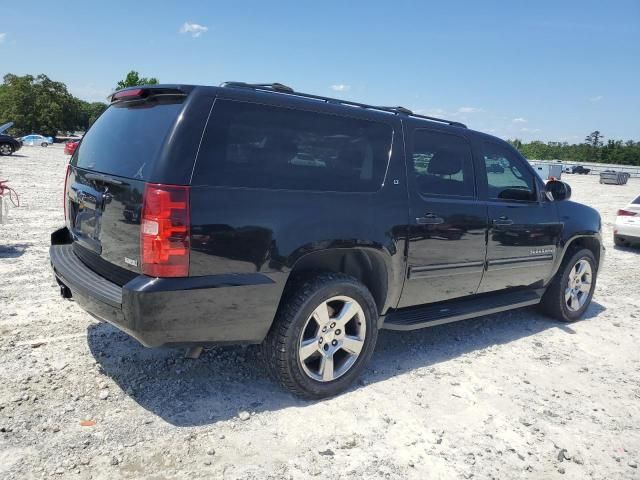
[117, 157]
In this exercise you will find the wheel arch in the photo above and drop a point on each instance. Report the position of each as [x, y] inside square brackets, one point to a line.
[367, 265]
[578, 242]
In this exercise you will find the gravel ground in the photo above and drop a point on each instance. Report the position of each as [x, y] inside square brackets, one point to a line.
[512, 395]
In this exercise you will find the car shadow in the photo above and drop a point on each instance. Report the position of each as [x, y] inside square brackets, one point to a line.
[13, 251]
[226, 380]
[633, 248]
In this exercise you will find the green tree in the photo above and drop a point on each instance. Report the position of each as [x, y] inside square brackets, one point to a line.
[38, 104]
[133, 79]
[516, 143]
[615, 151]
[90, 112]
[594, 141]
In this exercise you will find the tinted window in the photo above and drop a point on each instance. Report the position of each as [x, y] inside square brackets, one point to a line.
[442, 164]
[507, 178]
[637, 200]
[259, 146]
[126, 139]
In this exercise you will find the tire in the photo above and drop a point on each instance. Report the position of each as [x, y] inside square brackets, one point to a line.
[44, 144]
[555, 302]
[295, 327]
[6, 149]
[619, 242]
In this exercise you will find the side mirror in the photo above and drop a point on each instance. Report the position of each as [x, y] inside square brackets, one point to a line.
[557, 190]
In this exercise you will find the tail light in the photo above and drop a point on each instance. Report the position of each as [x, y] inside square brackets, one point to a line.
[625, 213]
[64, 192]
[164, 232]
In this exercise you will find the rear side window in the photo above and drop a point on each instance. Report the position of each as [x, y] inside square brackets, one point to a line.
[261, 146]
[442, 164]
[126, 139]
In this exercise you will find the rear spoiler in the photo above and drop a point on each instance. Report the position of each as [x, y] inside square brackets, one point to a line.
[145, 91]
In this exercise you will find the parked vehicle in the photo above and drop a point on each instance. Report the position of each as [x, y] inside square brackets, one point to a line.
[580, 169]
[71, 146]
[8, 144]
[567, 169]
[257, 214]
[626, 230]
[34, 140]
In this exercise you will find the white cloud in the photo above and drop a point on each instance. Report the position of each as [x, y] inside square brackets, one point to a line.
[193, 28]
[3, 36]
[529, 130]
[469, 110]
[340, 87]
[519, 120]
[597, 98]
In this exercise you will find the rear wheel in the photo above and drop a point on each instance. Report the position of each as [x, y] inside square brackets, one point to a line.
[5, 149]
[618, 241]
[323, 335]
[569, 294]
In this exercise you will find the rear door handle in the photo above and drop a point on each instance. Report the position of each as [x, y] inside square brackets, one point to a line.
[429, 219]
[503, 220]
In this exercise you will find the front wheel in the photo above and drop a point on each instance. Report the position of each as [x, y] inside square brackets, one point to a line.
[324, 334]
[569, 294]
[5, 149]
[44, 144]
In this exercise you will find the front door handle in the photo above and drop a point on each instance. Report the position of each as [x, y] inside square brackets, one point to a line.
[503, 220]
[429, 219]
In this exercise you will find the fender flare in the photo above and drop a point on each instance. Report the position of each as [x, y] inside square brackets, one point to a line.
[592, 237]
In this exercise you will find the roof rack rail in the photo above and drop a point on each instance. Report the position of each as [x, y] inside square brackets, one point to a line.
[280, 88]
[277, 87]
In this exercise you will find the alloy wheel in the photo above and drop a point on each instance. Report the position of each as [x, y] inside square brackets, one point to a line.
[332, 338]
[579, 285]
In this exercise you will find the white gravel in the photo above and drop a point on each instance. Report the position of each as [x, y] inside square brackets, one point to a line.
[511, 395]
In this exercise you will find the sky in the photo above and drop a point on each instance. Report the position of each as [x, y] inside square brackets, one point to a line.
[543, 70]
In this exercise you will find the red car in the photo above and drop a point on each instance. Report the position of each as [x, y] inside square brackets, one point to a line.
[71, 146]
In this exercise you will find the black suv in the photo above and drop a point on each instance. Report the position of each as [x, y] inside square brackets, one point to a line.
[256, 214]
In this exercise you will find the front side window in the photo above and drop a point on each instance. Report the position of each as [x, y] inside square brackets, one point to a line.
[442, 164]
[507, 179]
[262, 146]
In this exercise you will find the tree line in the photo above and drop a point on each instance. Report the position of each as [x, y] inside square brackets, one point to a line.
[38, 104]
[593, 149]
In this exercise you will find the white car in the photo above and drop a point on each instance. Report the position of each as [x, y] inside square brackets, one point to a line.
[34, 139]
[627, 228]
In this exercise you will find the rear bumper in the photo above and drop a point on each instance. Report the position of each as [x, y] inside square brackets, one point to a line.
[625, 229]
[631, 239]
[164, 311]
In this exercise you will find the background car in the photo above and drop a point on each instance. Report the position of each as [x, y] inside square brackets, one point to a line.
[35, 139]
[70, 146]
[626, 230]
[8, 144]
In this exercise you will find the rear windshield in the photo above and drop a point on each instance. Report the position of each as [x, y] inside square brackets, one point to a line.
[637, 200]
[260, 146]
[126, 139]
